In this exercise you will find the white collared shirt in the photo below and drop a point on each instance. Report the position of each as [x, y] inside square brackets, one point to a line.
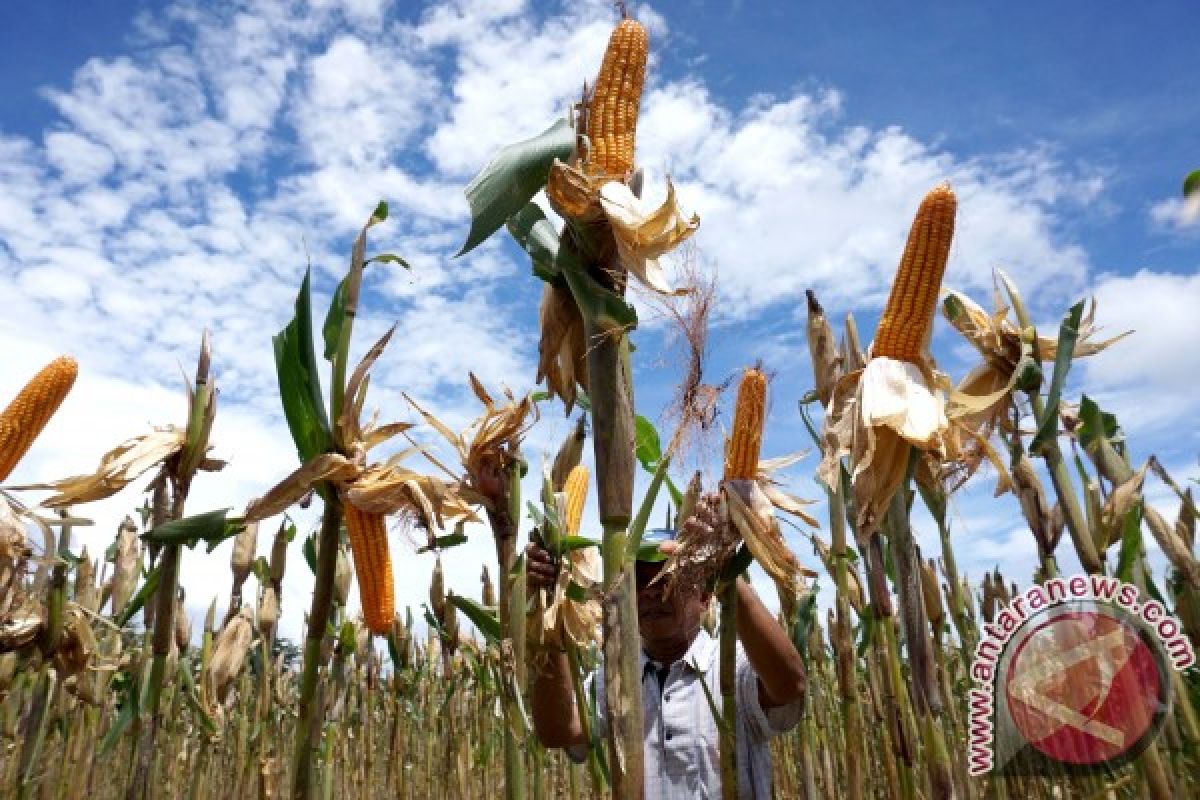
[682, 759]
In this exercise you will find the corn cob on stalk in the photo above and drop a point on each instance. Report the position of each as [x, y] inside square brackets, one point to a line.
[576, 489]
[745, 443]
[373, 565]
[32, 408]
[613, 113]
[904, 328]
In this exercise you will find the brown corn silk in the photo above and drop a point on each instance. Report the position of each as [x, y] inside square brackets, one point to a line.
[31, 409]
[904, 328]
[613, 113]
[373, 565]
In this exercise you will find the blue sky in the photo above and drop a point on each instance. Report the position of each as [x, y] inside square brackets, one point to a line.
[166, 166]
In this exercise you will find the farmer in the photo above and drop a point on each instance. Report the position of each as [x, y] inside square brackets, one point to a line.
[681, 756]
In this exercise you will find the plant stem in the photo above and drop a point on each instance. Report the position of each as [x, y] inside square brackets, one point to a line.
[308, 723]
[727, 676]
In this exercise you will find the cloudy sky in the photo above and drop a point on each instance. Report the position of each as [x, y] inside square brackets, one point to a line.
[171, 166]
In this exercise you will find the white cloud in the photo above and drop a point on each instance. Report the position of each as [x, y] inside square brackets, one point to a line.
[1176, 213]
[1148, 378]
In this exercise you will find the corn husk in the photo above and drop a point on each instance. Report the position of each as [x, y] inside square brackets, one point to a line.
[753, 516]
[641, 232]
[245, 545]
[555, 618]
[183, 625]
[343, 576]
[229, 653]
[127, 565]
[562, 346]
[569, 455]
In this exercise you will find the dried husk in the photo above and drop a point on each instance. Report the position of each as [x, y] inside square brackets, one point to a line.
[556, 619]
[933, 598]
[183, 625]
[343, 576]
[823, 349]
[562, 348]
[245, 545]
[570, 454]
[488, 589]
[279, 549]
[753, 516]
[229, 653]
[437, 590]
[77, 644]
[1034, 505]
[1174, 547]
[126, 566]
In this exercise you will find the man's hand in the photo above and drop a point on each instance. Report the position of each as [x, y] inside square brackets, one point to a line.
[540, 570]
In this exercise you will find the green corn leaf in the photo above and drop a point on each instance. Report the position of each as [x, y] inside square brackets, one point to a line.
[1095, 424]
[722, 723]
[310, 552]
[638, 526]
[537, 237]
[1068, 332]
[604, 310]
[331, 331]
[393, 651]
[569, 543]
[444, 542]
[299, 382]
[512, 178]
[125, 717]
[388, 258]
[213, 527]
[650, 553]
[143, 594]
[1191, 184]
[482, 618]
[1131, 543]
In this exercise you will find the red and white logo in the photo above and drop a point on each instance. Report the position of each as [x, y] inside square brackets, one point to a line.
[1085, 687]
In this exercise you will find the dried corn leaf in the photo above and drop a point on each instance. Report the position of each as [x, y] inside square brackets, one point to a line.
[325, 467]
[118, 468]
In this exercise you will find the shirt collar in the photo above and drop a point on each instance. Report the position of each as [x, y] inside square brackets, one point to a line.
[699, 652]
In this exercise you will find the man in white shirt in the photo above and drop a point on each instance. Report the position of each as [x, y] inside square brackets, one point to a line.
[681, 750]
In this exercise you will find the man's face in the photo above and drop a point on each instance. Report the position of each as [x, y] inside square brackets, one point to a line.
[664, 620]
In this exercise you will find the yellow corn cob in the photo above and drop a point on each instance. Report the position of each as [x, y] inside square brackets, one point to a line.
[373, 565]
[745, 444]
[904, 328]
[613, 113]
[576, 489]
[25, 417]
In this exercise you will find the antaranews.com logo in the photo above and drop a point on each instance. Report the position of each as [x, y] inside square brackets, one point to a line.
[1075, 672]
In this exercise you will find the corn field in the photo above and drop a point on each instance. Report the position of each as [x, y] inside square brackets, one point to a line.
[105, 692]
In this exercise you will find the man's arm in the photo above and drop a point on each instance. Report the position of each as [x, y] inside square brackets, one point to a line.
[555, 719]
[780, 670]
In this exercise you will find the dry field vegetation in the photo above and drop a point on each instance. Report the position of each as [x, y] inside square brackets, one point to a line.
[105, 692]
